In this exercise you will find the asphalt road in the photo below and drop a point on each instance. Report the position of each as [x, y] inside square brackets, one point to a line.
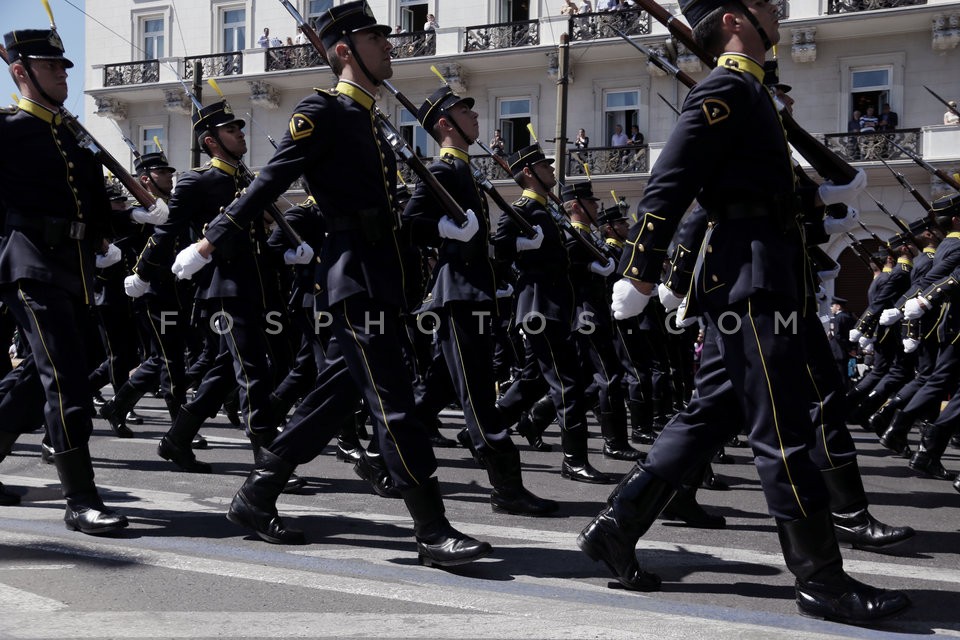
[183, 571]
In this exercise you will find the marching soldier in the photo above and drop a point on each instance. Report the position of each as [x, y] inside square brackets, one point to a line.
[751, 202]
[360, 284]
[47, 260]
[462, 297]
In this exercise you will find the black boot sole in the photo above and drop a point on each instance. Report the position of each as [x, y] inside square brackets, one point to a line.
[530, 513]
[427, 561]
[240, 522]
[593, 552]
[601, 478]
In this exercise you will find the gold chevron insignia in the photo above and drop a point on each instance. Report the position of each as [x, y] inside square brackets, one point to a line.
[714, 109]
[300, 126]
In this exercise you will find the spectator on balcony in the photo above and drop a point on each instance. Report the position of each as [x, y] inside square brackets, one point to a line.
[951, 116]
[264, 40]
[583, 140]
[619, 138]
[869, 122]
[636, 138]
[569, 8]
[607, 5]
[853, 125]
[301, 38]
[431, 23]
[399, 29]
[888, 119]
[586, 7]
[497, 145]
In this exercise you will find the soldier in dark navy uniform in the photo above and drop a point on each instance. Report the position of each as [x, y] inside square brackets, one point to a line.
[752, 271]
[462, 296]
[334, 141]
[57, 214]
[546, 314]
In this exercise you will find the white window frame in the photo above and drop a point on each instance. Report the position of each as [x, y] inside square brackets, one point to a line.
[146, 145]
[607, 111]
[309, 15]
[406, 14]
[221, 25]
[507, 132]
[896, 61]
[420, 135]
[138, 22]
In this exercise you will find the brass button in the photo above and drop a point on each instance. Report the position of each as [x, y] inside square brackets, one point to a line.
[69, 178]
[640, 248]
[650, 226]
[714, 278]
[70, 165]
[634, 271]
[669, 282]
[709, 249]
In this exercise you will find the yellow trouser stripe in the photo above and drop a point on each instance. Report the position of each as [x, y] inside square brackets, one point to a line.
[823, 421]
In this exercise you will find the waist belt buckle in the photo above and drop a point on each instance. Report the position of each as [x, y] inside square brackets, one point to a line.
[78, 230]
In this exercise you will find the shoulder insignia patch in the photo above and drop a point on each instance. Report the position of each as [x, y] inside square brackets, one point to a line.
[300, 126]
[715, 110]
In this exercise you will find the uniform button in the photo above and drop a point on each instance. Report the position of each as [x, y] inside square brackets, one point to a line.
[75, 191]
[634, 271]
[70, 165]
[714, 278]
[710, 225]
[640, 248]
[669, 282]
[650, 226]
[709, 249]
[69, 178]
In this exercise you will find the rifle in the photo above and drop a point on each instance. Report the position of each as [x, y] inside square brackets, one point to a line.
[882, 243]
[865, 256]
[906, 185]
[945, 103]
[827, 163]
[897, 221]
[943, 175]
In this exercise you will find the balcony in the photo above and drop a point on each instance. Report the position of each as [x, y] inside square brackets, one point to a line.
[413, 44]
[594, 26]
[505, 35]
[300, 56]
[852, 6]
[867, 147]
[608, 160]
[142, 72]
[215, 65]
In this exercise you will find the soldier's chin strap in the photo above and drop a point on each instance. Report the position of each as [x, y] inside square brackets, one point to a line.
[456, 127]
[767, 43]
[349, 38]
[215, 134]
[163, 193]
[33, 79]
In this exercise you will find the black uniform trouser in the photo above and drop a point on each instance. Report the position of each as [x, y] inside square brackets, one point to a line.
[303, 372]
[364, 359]
[926, 363]
[22, 398]
[596, 349]
[242, 361]
[750, 366]
[885, 352]
[553, 351]
[166, 331]
[52, 320]
[463, 370]
[7, 328]
[118, 332]
[942, 380]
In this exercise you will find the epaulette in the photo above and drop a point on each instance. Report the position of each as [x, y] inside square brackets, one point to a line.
[9, 109]
[448, 159]
[522, 201]
[330, 92]
[202, 168]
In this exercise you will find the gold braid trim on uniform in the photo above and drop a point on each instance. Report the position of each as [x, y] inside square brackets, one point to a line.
[459, 154]
[224, 166]
[39, 111]
[533, 195]
[357, 93]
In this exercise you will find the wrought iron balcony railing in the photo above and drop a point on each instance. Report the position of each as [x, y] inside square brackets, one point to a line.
[502, 36]
[299, 56]
[413, 44]
[215, 65]
[608, 160]
[593, 26]
[852, 6]
[141, 72]
[865, 147]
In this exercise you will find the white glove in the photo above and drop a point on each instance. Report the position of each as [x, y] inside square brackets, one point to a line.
[157, 214]
[188, 262]
[868, 348]
[668, 298]
[910, 345]
[110, 258]
[303, 254]
[135, 286]
[890, 317]
[602, 268]
[916, 307]
[846, 193]
[506, 292]
[839, 225]
[682, 313]
[864, 342]
[529, 244]
[449, 229]
[627, 300]
[855, 334]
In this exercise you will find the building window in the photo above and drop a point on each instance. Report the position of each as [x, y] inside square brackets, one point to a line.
[514, 116]
[152, 37]
[413, 14]
[514, 10]
[620, 107]
[870, 87]
[414, 135]
[315, 8]
[234, 21]
[147, 135]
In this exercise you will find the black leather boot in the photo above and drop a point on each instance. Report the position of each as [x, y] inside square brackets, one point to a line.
[255, 505]
[613, 428]
[956, 485]
[85, 510]
[370, 467]
[437, 439]
[46, 450]
[463, 437]
[863, 411]
[509, 495]
[612, 536]
[575, 464]
[349, 448]
[881, 419]
[133, 417]
[895, 437]
[852, 522]
[438, 543]
[295, 484]
[115, 410]
[7, 499]
[231, 407]
[175, 445]
[926, 461]
[641, 422]
[824, 590]
[712, 481]
[173, 408]
[532, 425]
[684, 507]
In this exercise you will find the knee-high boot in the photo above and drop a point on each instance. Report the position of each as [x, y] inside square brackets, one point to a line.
[852, 521]
[575, 465]
[933, 442]
[881, 419]
[613, 428]
[175, 445]
[824, 590]
[612, 536]
[115, 410]
[438, 543]
[684, 507]
[641, 422]
[7, 499]
[895, 437]
[532, 425]
[255, 505]
[85, 510]
[509, 495]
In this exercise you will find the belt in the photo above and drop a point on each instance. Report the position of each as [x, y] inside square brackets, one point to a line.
[783, 209]
[55, 230]
[373, 223]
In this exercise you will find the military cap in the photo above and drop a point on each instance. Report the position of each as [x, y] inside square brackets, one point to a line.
[526, 157]
[350, 17]
[696, 10]
[577, 190]
[114, 190]
[881, 255]
[218, 114]
[899, 240]
[43, 44]
[838, 300]
[611, 215]
[919, 226]
[151, 161]
[438, 102]
[948, 205]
